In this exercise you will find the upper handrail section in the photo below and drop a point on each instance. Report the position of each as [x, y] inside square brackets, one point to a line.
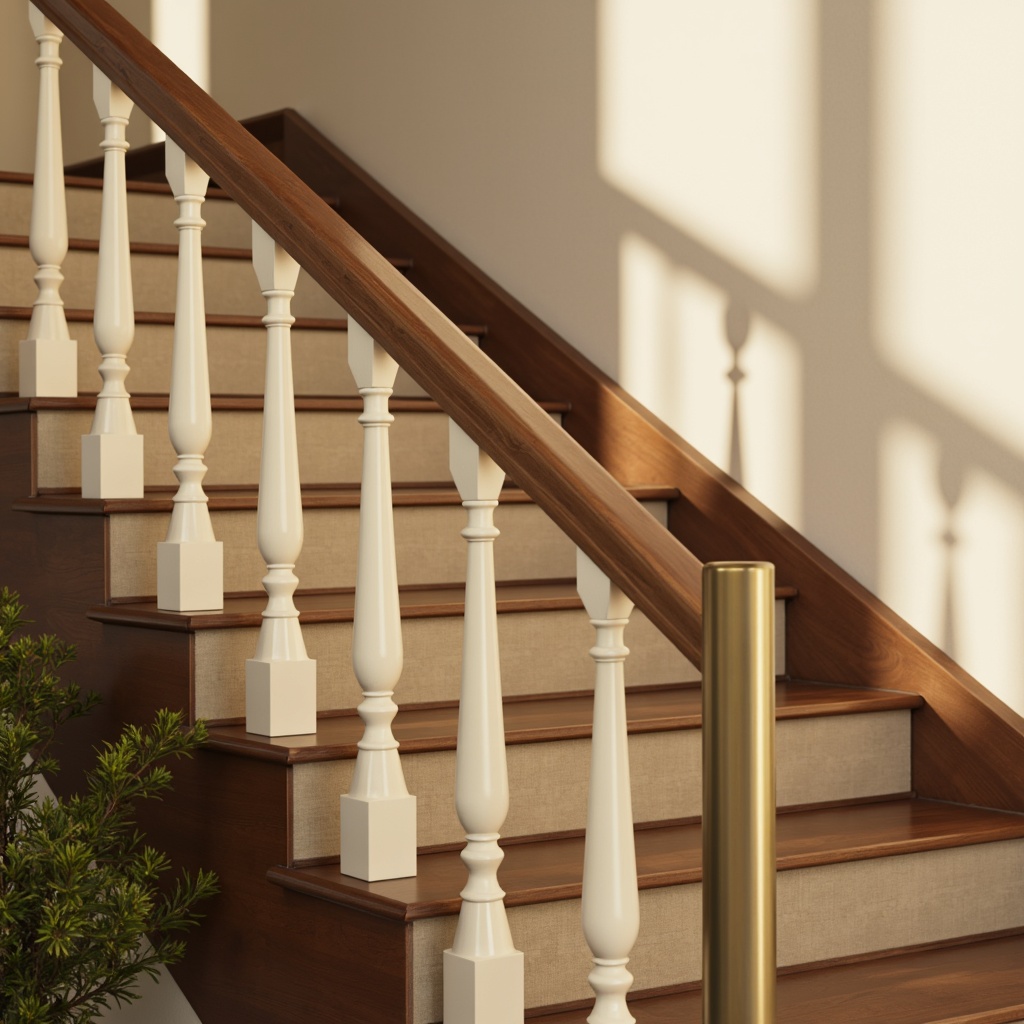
[585, 501]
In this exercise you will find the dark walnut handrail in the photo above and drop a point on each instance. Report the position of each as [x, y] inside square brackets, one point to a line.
[658, 573]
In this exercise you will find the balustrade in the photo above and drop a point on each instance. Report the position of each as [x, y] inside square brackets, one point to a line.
[190, 563]
[280, 681]
[48, 357]
[112, 451]
[611, 903]
[483, 971]
[378, 815]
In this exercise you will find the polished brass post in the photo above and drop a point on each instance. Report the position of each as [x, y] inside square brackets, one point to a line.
[739, 793]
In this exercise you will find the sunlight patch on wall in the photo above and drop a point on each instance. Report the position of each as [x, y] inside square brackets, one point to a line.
[950, 231]
[707, 115]
[952, 555]
[181, 29]
[729, 382]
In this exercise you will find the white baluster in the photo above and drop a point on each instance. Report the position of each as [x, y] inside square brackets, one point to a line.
[611, 904]
[112, 451]
[483, 971]
[48, 358]
[378, 816]
[280, 682]
[190, 563]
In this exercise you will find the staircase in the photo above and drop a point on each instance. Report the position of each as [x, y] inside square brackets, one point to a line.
[898, 900]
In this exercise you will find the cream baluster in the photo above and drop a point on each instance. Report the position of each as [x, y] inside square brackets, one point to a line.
[483, 971]
[378, 815]
[611, 904]
[280, 682]
[190, 563]
[112, 452]
[48, 358]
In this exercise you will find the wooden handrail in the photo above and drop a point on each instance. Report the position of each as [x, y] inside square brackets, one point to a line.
[589, 505]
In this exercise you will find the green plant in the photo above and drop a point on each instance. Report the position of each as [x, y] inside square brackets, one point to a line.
[83, 908]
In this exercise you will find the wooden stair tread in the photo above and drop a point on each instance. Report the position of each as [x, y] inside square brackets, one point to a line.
[537, 720]
[169, 249]
[545, 870]
[304, 323]
[977, 982]
[241, 403]
[241, 498]
[78, 181]
[246, 610]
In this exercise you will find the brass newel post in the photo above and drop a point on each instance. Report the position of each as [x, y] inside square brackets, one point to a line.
[739, 793]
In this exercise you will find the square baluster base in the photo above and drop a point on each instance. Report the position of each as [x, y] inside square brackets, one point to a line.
[48, 369]
[378, 838]
[112, 466]
[190, 576]
[483, 990]
[280, 697]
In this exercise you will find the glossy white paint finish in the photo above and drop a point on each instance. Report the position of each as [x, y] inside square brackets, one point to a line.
[611, 903]
[190, 563]
[112, 451]
[280, 681]
[48, 358]
[378, 815]
[483, 971]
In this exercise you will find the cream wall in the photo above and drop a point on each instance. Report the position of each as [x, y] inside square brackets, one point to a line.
[793, 229]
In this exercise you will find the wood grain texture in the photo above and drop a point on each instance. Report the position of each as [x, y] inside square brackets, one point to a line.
[969, 983]
[553, 870]
[660, 709]
[582, 498]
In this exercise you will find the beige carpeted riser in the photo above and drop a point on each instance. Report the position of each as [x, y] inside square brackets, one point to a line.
[429, 547]
[541, 652]
[151, 216]
[236, 358]
[330, 447]
[835, 910]
[839, 757]
[230, 284]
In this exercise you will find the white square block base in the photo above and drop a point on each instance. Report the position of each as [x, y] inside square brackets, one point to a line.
[112, 466]
[190, 576]
[378, 838]
[280, 697]
[485, 990]
[48, 369]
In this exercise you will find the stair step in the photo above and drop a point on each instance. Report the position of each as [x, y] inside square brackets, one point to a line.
[329, 436]
[229, 280]
[237, 353]
[531, 546]
[946, 871]
[152, 211]
[833, 744]
[978, 982]
[545, 619]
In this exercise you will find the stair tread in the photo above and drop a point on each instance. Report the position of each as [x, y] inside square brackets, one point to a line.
[169, 249]
[96, 184]
[536, 720]
[552, 869]
[306, 323]
[240, 403]
[242, 498]
[978, 982]
[246, 610]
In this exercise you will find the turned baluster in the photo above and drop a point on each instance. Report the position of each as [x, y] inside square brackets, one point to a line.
[48, 358]
[112, 451]
[190, 563]
[280, 682]
[378, 815]
[611, 904]
[483, 971]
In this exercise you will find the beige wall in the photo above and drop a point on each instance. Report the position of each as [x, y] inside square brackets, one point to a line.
[825, 193]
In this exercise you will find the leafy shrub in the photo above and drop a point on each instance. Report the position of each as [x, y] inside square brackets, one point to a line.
[82, 912]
